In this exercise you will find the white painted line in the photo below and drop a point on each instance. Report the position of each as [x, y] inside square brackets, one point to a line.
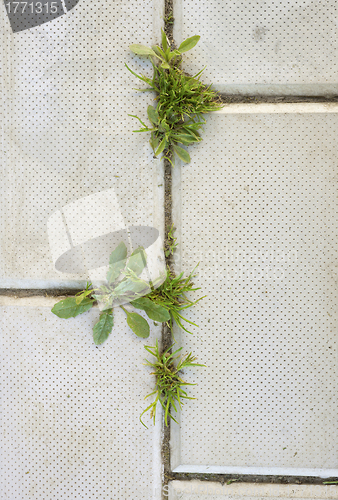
[25, 284]
[254, 89]
[37, 301]
[29, 301]
[181, 490]
[260, 471]
[272, 108]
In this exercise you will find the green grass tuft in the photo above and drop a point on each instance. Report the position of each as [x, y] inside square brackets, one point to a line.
[182, 100]
[169, 384]
[171, 295]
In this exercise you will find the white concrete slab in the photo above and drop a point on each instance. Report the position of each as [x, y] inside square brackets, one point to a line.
[198, 490]
[66, 130]
[70, 411]
[257, 207]
[262, 47]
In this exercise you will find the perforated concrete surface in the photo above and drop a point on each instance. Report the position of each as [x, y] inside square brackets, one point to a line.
[66, 130]
[262, 47]
[257, 207]
[266, 402]
[199, 490]
[70, 411]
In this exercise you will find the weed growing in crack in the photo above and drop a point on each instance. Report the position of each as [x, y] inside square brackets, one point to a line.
[169, 19]
[171, 244]
[182, 100]
[163, 302]
[169, 384]
[171, 295]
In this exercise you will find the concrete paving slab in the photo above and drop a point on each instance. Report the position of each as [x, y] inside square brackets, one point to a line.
[257, 207]
[66, 130]
[198, 490]
[70, 411]
[262, 47]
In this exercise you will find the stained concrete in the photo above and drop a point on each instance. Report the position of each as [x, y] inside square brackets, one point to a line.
[262, 47]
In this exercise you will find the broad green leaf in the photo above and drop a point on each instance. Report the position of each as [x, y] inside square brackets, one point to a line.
[105, 301]
[165, 42]
[173, 118]
[68, 308]
[141, 303]
[153, 311]
[105, 289]
[103, 327]
[129, 286]
[173, 54]
[152, 114]
[193, 126]
[79, 298]
[138, 324]
[181, 153]
[191, 132]
[185, 139]
[142, 50]
[157, 50]
[161, 147]
[114, 271]
[137, 261]
[188, 44]
[154, 142]
[165, 65]
[117, 262]
[163, 126]
[118, 254]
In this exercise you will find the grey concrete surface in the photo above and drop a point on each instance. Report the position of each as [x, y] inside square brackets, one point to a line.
[262, 47]
[70, 411]
[257, 207]
[199, 490]
[66, 130]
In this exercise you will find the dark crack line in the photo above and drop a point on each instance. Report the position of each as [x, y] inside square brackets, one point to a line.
[41, 292]
[248, 478]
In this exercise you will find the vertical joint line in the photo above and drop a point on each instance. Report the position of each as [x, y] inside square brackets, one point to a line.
[166, 339]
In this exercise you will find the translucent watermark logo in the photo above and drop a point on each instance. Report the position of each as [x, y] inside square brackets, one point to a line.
[89, 237]
[268, 263]
[26, 15]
